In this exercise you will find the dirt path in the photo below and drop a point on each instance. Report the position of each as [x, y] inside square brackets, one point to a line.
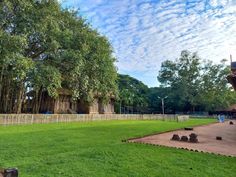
[206, 137]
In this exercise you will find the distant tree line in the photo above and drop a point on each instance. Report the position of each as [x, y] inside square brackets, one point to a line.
[189, 83]
[43, 48]
[132, 95]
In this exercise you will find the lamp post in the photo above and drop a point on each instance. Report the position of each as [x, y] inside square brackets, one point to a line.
[162, 104]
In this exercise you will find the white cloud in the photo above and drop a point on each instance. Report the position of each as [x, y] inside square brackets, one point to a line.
[144, 32]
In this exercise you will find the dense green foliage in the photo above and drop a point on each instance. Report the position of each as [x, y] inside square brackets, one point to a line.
[95, 149]
[43, 48]
[132, 94]
[189, 83]
[154, 101]
[195, 85]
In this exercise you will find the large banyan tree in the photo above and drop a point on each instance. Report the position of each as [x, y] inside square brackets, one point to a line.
[44, 47]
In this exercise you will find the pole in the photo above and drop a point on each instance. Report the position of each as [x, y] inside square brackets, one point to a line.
[163, 105]
[163, 108]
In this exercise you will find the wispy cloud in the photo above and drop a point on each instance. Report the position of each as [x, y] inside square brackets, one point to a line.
[146, 32]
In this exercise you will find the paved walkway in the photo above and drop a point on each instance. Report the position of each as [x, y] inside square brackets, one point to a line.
[206, 137]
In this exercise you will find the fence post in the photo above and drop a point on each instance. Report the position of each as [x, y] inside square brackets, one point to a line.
[4, 119]
[32, 119]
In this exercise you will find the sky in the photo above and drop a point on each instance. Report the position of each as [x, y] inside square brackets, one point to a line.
[144, 33]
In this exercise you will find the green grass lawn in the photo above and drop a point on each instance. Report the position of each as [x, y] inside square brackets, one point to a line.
[95, 149]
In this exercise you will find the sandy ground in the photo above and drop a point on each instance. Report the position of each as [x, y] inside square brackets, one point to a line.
[206, 137]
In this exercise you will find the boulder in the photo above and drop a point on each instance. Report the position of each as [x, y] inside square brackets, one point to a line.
[184, 138]
[193, 138]
[175, 137]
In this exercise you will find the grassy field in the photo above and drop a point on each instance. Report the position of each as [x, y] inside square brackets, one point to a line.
[95, 149]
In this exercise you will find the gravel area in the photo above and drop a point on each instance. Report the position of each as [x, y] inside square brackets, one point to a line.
[206, 139]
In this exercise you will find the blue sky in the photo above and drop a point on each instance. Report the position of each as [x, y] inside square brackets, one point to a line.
[144, 33]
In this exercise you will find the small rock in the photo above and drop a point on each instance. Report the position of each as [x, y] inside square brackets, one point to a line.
[188, 128]
[193, 138]
[175, 137]
[184, 138]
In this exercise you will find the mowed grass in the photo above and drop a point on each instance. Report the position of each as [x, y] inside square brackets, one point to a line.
[95, 149]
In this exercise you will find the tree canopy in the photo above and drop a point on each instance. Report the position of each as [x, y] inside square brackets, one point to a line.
[189, 84]
[44, 47]
[194, 84]
[132, 93]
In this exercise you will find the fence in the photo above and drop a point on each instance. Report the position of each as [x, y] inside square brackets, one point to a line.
[181, 118]
[13, 119]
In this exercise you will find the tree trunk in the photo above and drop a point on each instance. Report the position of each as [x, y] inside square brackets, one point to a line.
[6, 96]
[1, 84]
[19, 98]
[40, 99]
[37, 101]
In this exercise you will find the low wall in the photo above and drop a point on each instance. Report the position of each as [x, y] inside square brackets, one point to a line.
[12, 119]
[182, 118]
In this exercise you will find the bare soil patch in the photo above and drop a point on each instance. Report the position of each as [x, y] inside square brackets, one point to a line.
[207, 141]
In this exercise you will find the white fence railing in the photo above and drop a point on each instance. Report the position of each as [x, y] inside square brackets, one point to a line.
[13, 119]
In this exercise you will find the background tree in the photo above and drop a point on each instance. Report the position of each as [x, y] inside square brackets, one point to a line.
[44, 48]
[216, 92]
[196, 85]
[182, 76]
[154, 100]
[132, 95]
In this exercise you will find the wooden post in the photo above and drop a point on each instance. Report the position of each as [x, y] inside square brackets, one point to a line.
[32, 119]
